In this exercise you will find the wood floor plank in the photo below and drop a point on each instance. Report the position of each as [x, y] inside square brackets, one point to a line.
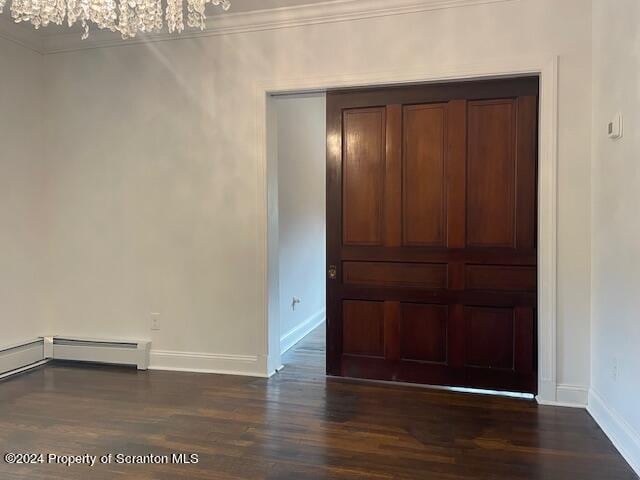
[297, 425]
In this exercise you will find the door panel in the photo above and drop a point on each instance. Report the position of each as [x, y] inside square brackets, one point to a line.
[363, 176]
[499, 277]
[423, 332]
[363, 332]
[526, 158]
[421, 275]
[456, 171]
[491, 174]
[423, 182]
[431, 227]
[524, 340]
[489, 337]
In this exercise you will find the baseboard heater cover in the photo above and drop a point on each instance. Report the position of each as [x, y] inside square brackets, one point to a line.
[98, 350]
[17, 357]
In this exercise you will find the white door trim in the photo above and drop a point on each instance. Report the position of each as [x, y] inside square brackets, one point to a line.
[547, 69]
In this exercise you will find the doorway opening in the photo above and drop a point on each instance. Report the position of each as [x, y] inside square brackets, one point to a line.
[297, 192]
[547, 71]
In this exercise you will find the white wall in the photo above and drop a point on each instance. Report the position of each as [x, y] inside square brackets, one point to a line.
[22, 226]
[301, 124]
[616, 225]
[154, 175]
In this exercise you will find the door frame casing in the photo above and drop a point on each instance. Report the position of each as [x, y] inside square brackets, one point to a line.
[547, 70]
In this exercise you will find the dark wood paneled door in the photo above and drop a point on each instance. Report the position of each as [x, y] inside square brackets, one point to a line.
[431, 234]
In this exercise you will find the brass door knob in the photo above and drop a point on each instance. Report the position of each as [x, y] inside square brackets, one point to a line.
[333, 272]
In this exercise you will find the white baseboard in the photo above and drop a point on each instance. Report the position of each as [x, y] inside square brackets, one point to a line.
[246, 365]
[18, 356]
[293, 336]
[623, 436]
[573, 396]
[547, 392]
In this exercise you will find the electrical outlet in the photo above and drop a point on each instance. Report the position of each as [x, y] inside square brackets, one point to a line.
[155, 321]
[614, 127]
[614, 369]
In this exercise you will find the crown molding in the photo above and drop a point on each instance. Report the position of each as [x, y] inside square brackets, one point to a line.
[232, 23]
[22, 35]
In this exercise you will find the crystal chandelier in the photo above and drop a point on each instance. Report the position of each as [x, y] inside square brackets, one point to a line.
[128, 17]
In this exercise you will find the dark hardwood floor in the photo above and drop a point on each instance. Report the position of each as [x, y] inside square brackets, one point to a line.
[297, 425]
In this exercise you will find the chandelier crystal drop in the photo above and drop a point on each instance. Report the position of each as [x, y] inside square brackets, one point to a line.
[128, 17]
